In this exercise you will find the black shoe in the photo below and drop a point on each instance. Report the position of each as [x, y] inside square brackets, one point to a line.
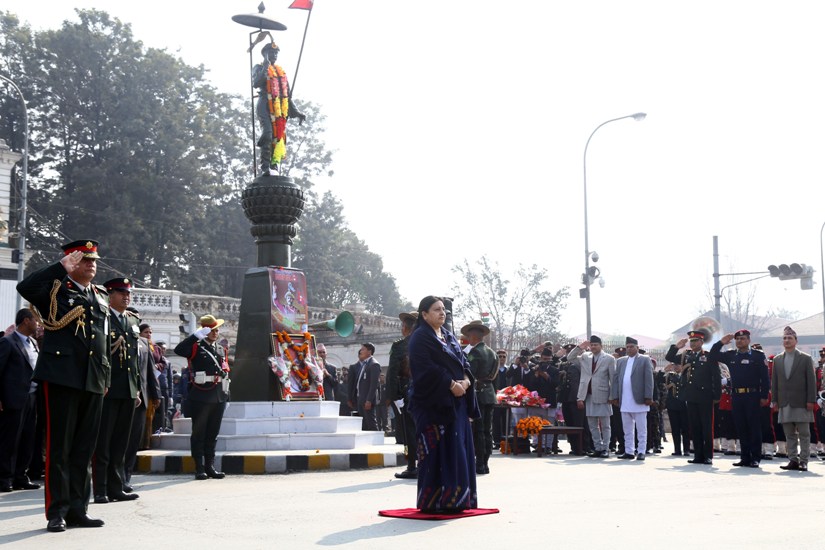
[24, 485]
[803, 467]
[200, 476]
[695, 461]
[101, 499]
[640, 457]
[604, 454]
[740, 463]
[626, 456]
[791, 465]
[752, 464]
[407, 474]
[707, 462]
[83, 520]
[729, 453]
[214, 474]
[127, 488]
[657, 450]
[56, 525]
[5, 488]
[479, 469]
[594, 454]
[123, 496]
[767, 457]
[677, 453]
[486, 469]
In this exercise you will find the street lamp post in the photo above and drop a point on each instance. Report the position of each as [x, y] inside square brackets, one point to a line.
[822, 273]
[587, 278]
[23, 192]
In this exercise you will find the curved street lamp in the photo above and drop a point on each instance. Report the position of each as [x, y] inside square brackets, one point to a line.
[587, 278]
[21, 266]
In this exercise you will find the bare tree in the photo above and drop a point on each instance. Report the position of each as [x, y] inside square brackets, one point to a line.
[522, 313]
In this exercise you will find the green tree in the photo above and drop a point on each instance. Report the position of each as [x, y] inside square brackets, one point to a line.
[522, 314]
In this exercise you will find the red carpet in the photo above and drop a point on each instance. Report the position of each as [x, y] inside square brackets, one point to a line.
[415, 513]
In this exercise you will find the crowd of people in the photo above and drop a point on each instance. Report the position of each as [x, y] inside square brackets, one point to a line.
[83, 386]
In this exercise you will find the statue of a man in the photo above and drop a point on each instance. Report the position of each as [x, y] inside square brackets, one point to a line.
[273, 108]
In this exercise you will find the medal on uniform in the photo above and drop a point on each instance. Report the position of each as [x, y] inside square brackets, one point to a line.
[71, 301]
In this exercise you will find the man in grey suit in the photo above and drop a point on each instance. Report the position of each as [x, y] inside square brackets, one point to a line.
[363, 386]
[597, 370]
[632, 392]
[793, 390]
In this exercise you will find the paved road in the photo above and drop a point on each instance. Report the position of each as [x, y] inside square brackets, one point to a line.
[552, 502]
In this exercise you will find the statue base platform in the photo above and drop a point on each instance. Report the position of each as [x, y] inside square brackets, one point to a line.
[278, 437]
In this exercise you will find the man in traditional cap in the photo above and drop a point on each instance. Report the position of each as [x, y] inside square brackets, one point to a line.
[616, 428]
[74, 373]
[702, 388]
[398, 382]
[484, 367]
[632, 392]
[597, 370]
[207, 393]
[750, 386]
[793, 390]
[121, 399]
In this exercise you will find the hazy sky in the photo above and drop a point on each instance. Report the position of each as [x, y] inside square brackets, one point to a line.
[459, 128]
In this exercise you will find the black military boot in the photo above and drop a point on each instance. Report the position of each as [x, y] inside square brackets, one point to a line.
[210, 469]
[200, 472]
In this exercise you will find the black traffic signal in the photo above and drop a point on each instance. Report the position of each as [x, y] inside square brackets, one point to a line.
[785, 272]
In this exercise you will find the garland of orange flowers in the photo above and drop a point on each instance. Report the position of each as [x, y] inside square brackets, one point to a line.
[277, 93]
[531, 425]
[295, 354]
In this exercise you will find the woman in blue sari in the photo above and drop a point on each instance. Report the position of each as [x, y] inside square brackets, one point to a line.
[442, 402]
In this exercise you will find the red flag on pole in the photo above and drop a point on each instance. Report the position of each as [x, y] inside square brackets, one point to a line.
[301, 5]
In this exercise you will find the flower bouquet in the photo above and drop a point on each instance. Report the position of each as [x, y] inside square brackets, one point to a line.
[519, 396]
[531, 425]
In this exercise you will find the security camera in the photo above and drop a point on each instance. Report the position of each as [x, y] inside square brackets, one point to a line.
[601, 282]
[594, 256]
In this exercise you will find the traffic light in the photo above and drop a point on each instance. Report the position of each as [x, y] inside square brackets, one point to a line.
[785, 272]
[485, 318]
[15, 256]
[187, 326]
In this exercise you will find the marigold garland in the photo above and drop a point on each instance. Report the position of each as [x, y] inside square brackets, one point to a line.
[277, 93]
[531, 425]
[296, 355]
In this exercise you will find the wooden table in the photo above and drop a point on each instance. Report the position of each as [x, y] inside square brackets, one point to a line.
[557, 430]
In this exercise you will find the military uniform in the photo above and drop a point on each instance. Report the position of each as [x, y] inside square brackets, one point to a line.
[207, 400]
[702, 386]
[677, 413]
[398, 384]
[73, 370]
[484, 367]
[119, 404]
[749, 383]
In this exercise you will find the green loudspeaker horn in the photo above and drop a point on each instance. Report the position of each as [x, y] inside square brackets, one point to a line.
[343, 324]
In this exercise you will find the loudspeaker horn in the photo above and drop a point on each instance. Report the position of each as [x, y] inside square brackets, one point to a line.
[343, 324]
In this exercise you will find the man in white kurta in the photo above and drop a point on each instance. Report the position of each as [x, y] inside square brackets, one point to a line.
[632, 391]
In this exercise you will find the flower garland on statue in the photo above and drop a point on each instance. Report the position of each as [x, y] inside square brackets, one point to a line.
[296, 355]
[277, 93]
[531, 425]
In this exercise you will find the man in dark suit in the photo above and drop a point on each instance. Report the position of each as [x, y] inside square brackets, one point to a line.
[73, 368]
[18, 405]
[119, 402]
[363, 386]
[702, 387]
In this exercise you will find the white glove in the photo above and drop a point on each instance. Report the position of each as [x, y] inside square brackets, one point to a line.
[724, 381]
[201, 333]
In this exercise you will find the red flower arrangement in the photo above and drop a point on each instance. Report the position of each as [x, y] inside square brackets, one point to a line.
[519, 396]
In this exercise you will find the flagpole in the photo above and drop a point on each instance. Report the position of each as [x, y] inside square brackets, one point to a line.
[300, 54]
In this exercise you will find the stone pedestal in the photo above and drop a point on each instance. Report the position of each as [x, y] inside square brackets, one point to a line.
[273, 204]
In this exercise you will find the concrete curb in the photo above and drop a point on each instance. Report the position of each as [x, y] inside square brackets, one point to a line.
[268, 462]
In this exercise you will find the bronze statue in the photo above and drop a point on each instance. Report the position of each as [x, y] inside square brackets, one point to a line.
[273, 108]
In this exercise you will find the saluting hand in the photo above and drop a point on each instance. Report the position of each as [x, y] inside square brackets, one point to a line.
[681, 343]
[726, 339]
[71, 261]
